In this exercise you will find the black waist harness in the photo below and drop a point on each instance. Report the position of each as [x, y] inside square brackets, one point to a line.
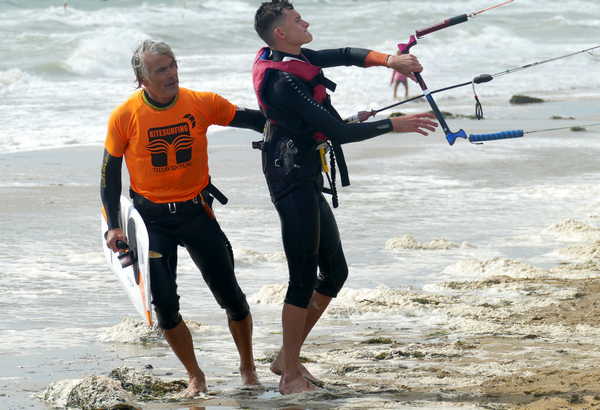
[289, 160]
[203, 200]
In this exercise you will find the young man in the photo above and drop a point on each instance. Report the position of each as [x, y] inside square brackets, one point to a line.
[161, 132]
[301, 123]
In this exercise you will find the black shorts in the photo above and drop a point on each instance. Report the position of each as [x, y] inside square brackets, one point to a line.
[199, 232]
[310, 239]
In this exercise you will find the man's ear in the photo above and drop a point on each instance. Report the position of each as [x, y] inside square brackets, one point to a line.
[278, 33]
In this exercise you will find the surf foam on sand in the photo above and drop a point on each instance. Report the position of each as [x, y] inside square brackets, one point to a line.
[511, 335]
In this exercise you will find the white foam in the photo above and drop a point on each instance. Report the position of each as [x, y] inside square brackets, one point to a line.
[408, 241]
[249, 257]
[132, 331]
[572, 229]
[474, 268]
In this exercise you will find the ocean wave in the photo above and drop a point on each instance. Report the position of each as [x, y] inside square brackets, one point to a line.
[98, 53]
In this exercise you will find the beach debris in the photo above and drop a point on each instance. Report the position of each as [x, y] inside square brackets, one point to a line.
[379, 341]
[144, 385]
[559, 117]
[123, 388]
[92, 392]
[578, 129]
[524, 99]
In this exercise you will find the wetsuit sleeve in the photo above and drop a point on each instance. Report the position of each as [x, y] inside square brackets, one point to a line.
[289, 94]
[110, 188]
[360, 57]
[246, 118]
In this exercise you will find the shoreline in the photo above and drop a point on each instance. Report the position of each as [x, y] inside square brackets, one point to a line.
[550, 107]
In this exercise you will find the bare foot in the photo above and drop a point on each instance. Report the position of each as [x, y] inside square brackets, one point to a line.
[249, 377]
[276, 368]
[196, 385]
[298, 384]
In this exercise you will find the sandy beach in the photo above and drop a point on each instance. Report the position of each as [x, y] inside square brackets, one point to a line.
[512, 335]
[536, 347]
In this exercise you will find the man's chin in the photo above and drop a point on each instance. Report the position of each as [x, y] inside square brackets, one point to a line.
[172, 90]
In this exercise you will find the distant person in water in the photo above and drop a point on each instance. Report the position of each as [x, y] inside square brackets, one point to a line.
[397, 79]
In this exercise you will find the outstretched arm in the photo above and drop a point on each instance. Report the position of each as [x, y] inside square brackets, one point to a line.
[290, 94]
[362, 57]
[247, 118]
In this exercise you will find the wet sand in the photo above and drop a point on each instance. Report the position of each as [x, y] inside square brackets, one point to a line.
[533, 345]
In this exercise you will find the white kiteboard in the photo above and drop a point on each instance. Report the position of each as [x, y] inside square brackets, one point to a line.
[134, 278]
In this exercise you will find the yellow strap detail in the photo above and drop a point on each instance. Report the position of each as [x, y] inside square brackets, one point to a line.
[323, 155]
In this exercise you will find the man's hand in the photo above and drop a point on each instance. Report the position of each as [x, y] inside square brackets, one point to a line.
[420, 123]
[407, 64]
[114, 235]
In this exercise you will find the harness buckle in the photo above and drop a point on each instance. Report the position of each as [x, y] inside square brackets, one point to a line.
[322, 145]
[172, 207]
[258, 145]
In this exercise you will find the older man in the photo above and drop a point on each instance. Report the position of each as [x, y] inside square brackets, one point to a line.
[161, 131]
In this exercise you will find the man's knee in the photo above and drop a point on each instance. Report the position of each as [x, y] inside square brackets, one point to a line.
[239, 311]
[164, 292]
[233, 302]
[330, 283]
[167, 319]
[303, 278]
[300, 292]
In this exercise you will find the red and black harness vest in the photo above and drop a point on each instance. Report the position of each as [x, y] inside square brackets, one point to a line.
[313, 76]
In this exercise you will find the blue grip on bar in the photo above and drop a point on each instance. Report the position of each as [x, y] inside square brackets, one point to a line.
[452, 136]
[495, 136]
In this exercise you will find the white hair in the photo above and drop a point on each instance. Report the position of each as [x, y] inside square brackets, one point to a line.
[152, 47]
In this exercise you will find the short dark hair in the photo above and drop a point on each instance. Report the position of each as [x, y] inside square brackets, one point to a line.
[267, 16]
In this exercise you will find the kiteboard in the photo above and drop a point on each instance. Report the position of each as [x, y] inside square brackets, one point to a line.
[131, 265]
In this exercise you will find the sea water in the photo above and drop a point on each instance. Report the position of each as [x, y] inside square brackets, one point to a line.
[65, 65]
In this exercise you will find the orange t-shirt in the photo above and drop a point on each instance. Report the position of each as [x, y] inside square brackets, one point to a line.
[166, 149]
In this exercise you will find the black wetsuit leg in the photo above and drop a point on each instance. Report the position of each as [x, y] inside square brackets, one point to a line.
[163, 274]
[333, 269]
[210, 250]
[310, 239]
[299, 215]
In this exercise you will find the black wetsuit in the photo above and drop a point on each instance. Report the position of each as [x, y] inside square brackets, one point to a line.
[293, 170]
[192, 225]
